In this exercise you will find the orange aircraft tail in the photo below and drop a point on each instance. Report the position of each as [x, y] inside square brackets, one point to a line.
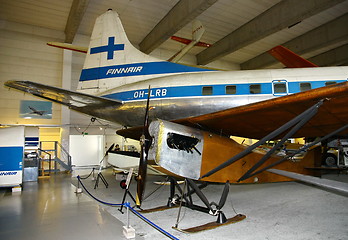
[289, 58]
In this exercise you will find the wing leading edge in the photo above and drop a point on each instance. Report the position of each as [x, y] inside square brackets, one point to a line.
[92, 105]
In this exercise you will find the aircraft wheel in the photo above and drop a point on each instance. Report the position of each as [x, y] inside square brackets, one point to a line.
[123, 184]
[330, 160]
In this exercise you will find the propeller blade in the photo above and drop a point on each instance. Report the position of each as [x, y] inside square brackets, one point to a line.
[224, 195]
[142, 172]
[110, 148]
[145, 145]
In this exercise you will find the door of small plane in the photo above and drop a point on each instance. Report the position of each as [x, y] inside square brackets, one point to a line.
[280, 87]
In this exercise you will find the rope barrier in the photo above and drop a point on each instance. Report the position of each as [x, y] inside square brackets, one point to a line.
[88, 175]
[135, 212]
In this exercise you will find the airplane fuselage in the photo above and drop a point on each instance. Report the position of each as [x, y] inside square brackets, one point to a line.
[192, 94]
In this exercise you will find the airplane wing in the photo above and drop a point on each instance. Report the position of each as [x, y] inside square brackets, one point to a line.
[68, 46]
[332, 185]
[96, 106]
[258, 119]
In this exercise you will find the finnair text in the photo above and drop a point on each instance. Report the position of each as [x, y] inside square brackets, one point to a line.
[7, 173]
[124, 70]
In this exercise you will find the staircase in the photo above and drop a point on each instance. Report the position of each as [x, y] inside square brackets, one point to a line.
[54, 158]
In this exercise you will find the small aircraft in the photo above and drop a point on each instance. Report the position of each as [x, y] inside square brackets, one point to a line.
[193, 112]
[197, 33]
[35, 111]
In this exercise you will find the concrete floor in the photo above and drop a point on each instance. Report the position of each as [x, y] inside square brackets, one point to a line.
[288, 210]
[51, 210]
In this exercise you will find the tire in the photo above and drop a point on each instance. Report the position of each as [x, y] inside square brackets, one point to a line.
[330, 160]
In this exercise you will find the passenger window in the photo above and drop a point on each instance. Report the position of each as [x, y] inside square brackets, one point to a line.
[305, 87]
[207, 90]
[279, 88]
[330, 83]
[255, 88]
[231, 89]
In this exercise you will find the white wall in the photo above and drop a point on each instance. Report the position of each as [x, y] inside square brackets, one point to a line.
[86, 150]
[24, 55]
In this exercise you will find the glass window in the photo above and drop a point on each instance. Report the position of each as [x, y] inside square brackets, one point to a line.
[208, 90]
[279, 87]
[255, 88]
[232, 89]
[305, 87]
[330, 83]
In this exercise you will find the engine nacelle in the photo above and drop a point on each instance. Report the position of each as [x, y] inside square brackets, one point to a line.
[176, 148]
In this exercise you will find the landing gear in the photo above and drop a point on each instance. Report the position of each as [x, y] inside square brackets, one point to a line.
[330, 160]
[212, 208]
[123, 184]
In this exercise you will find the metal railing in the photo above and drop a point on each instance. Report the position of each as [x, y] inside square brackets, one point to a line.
[57, 153]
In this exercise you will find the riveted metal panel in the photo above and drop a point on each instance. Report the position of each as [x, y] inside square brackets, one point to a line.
[180, 162]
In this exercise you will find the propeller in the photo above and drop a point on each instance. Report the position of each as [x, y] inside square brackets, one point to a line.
[144, 145]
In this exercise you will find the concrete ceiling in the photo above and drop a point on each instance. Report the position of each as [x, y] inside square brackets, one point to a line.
[241, 31]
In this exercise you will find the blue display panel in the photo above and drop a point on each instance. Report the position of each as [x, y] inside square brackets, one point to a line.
[11, 158]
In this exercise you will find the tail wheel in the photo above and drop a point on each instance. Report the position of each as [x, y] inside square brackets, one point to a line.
[123, 184]
[330, 160]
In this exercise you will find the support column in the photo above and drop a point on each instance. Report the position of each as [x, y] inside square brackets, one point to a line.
[66, 84]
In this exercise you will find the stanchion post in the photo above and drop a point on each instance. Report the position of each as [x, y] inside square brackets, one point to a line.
[78, 189]
[128, 231]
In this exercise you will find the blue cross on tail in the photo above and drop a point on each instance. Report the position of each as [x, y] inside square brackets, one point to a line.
[110, 48]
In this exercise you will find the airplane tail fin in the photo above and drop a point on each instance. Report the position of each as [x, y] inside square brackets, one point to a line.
[197, 30]
[112, 60]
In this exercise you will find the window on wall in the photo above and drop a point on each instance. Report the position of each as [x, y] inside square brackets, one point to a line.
[208, 90]
[305, 86]
[330, 83]
[255, 88]
[279, 88]
[231, 89]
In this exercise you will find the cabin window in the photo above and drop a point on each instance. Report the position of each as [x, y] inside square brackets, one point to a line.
[279, 87]
[330, 83]
[255, 88]
[208, 90]
[305, 86]
[231, 89]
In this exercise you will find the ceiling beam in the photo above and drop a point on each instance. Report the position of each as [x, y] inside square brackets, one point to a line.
[282, 15]
[180, 15]
[334, 57]
[331, 33]
[77, 10]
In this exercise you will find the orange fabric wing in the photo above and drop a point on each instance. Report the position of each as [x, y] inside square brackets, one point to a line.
[258, 119]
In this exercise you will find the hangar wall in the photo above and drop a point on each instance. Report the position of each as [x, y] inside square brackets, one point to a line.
[24, 55]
